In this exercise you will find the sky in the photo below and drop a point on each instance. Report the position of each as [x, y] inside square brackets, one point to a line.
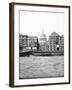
[34, 23]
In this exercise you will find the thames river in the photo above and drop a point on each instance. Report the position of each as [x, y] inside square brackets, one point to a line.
[41, 67]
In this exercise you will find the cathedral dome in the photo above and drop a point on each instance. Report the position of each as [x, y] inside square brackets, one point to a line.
[43, 35]
[43, 38]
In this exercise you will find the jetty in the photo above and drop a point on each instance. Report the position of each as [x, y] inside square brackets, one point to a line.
[41, 53]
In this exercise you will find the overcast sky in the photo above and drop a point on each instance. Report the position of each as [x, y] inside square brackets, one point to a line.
[34, 23]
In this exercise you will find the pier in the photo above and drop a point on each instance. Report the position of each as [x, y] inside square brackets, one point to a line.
[41, 53]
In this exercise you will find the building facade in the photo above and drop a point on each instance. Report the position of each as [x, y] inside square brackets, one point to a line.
[23, 41]
[28, 42]
[32, 43]
[56, 42]
[20, 42]
[61, 43]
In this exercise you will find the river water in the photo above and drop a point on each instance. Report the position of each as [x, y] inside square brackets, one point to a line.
[41, 67]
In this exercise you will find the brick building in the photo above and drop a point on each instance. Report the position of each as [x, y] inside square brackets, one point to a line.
[28, 42]
[32, 42]
[23, 41]
[56, 42]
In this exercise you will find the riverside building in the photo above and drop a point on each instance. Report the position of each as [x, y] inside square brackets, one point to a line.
[56, 42]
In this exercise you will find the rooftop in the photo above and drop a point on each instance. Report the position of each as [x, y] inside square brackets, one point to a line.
[54, 34]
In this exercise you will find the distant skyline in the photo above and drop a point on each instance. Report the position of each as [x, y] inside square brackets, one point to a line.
[34, 23]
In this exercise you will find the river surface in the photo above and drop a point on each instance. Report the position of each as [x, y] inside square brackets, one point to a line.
[41, 67]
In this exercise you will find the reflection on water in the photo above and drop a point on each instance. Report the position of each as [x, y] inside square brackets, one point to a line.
[41, 67]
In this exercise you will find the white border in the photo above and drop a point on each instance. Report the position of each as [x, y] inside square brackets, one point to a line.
[16, 45]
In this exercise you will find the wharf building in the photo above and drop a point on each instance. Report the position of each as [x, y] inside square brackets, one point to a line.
[28, 42]
[56, 42]
[23, 41]
[32, 43]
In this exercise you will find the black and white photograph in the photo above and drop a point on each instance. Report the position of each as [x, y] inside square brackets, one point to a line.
[41, 43]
